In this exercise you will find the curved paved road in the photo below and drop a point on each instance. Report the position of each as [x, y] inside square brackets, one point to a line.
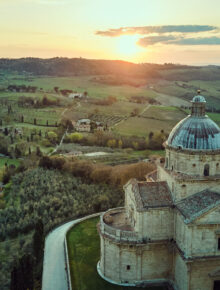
[54, 273]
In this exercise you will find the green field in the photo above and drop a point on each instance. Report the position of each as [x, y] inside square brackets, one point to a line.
[187, 90]
[164, 113]
[80, 84]
[84, 252]
[136, 126]
[122, 117]
[215, 117]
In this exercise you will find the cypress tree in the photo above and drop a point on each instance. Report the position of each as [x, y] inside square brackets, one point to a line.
[38, 240]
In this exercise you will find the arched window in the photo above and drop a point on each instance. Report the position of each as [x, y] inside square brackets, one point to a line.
[206, 170]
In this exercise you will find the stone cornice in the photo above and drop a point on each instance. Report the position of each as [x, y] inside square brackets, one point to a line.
[191, 151]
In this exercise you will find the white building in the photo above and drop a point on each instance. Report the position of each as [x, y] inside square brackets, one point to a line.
[169, 230]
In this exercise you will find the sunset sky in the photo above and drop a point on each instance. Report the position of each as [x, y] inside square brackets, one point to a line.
[155, 31]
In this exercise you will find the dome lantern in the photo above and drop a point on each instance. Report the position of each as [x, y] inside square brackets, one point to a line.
[198, 105]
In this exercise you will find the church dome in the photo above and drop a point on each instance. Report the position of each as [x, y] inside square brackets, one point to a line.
[198, 99]
[197, 131]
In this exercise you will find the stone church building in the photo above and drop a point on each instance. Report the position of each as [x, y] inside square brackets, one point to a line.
[168, 232]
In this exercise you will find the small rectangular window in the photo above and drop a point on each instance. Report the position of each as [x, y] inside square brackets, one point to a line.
[216, 285]
[128, 267]
[218, 243]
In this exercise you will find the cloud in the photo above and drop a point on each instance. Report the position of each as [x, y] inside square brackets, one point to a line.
[145, 30]
[151, 40]
[199, 41]
[40, 2]
[169, 34]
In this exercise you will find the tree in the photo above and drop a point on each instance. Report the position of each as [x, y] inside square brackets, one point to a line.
[17, 151]
[135, 112]
[157, 140]
[12, 139]
[75, 137]
[38, 151]
[111, 143]
[38, 240]
[22, 274]
[66, 123]
[56, 89]
[6, 131]
[52, 136]
[14, 279]
[120, 143]
[45, 162]
[151, 134]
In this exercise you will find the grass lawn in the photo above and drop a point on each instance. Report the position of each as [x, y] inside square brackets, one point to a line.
[84, 252]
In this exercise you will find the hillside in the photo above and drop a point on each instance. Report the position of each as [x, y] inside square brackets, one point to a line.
[80, 66]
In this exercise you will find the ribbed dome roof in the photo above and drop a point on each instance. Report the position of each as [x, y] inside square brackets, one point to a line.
[198, 99]
[197, 131]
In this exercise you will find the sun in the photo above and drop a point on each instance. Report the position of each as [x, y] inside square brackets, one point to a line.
[126, 45]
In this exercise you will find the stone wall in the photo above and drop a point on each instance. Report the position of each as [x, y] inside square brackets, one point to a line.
[156, 261]
[157, 224]
[182, 187]
[182, 235]
[198, 238]
[153, 223]
[181, 273]
[129, 263]
[192, 164]
[131, 208]
[203, 274]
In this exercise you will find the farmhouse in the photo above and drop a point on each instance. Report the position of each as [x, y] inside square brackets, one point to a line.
[83, 125]
[168, 232]
[87, 125]
[78, 95]
[99, 126]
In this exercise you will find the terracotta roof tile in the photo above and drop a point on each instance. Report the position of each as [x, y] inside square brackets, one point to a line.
[194, 206]
[152, 194]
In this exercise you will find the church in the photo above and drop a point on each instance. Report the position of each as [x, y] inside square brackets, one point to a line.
[168, 232]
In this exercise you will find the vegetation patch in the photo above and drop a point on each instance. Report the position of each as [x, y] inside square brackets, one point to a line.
[7, 161]
[84, 252]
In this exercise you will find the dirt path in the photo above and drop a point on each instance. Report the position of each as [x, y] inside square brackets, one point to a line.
[145, 109]
[58, 145]
[64, 111]
[125, 119]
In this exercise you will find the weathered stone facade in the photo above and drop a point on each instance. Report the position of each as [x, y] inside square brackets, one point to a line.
[169, 229]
